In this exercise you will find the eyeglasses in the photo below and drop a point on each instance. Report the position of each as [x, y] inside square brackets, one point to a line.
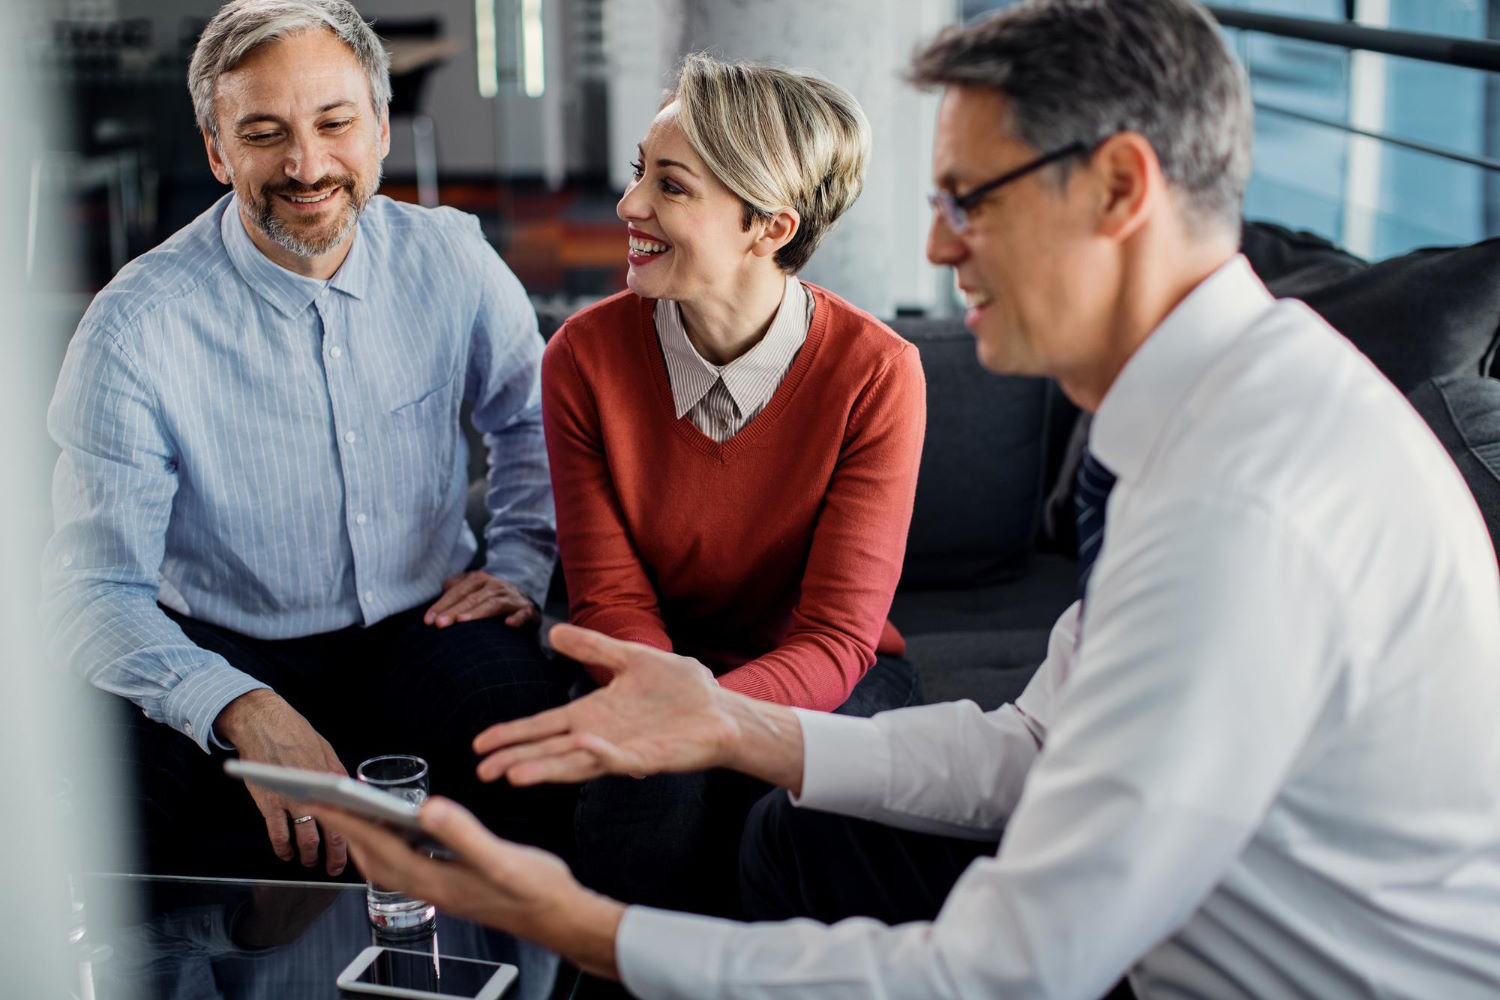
[956, 207]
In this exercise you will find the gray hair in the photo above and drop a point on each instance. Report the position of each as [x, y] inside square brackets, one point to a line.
[242, 26]
[1082, 70]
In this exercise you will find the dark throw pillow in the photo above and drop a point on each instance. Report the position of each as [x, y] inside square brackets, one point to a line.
[1464, 412]
[1277, 253]
[1423, 314]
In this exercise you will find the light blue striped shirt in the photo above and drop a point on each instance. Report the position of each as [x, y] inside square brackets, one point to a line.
[282, 456]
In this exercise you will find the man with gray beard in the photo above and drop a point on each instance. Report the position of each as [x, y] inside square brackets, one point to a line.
[260, 536]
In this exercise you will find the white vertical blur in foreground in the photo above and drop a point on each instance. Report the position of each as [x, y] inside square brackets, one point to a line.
[40, 842]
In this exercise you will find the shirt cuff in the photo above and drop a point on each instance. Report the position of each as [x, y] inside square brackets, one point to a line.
[662, 954]
[846, 763]
[197, 699]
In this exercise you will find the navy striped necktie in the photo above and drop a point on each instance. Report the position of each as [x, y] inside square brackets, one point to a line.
[1090, 495]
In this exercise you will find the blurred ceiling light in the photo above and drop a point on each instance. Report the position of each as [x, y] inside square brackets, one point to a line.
[533, 66]
[485, 61]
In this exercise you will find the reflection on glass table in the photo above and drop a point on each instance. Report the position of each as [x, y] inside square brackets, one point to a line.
[194, 939]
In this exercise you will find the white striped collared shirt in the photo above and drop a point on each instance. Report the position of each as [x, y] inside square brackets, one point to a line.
[721, 399]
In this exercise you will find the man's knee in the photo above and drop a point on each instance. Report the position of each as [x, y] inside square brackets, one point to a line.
[473, 675]
[892, 682]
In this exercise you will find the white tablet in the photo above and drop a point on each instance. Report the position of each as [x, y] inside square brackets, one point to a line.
[336, 790]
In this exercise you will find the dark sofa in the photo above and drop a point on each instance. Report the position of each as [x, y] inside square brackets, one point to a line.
[990, 560]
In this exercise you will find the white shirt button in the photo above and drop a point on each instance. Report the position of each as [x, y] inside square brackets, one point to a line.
[369, 596]
[360, 519]
[349, 436]
[67, 561]
[335, 351]
[187, 727]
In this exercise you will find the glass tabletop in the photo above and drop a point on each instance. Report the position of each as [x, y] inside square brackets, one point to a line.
[231, 938]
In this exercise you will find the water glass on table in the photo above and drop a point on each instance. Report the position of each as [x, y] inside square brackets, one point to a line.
[395, 914]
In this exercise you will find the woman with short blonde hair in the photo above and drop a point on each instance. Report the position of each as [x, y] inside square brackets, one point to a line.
[776, 137]
[734, 452]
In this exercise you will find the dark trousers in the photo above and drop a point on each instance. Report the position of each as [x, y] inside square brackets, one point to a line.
[398, 686]
[673, 840]
[804, 863]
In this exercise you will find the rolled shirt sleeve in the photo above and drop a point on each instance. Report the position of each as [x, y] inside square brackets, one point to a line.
[112, 495]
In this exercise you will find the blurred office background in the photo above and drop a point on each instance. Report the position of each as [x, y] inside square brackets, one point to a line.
[1379, 153]
[1376, 152]
[526, 113]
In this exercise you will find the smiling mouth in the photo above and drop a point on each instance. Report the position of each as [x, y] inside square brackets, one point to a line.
[976, 299]
[316, 198]
[641, 247]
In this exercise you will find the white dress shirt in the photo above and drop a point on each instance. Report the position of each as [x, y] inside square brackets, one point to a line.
[1270, 767]
[721, 399]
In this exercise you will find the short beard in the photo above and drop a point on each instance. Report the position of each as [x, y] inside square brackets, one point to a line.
[268, 222]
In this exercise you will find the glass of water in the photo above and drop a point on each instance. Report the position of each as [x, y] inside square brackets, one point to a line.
[395, 914]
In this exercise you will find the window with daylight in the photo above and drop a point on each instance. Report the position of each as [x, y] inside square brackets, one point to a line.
[1378, 152]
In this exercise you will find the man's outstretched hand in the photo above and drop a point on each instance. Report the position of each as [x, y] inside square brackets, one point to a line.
[658, 712]
[264, 728]
[517, 889]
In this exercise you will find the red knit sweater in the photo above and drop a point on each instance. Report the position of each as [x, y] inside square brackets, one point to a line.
[772, 557]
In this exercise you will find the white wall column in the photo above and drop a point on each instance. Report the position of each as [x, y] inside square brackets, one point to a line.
[641, 39]
[1367, 110]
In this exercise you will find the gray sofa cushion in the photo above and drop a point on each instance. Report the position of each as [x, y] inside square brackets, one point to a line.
[1464, 412]
[988, 668]
[984, 642]
[979, 489]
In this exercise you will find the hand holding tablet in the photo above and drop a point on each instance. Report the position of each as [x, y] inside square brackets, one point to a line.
[342, 792]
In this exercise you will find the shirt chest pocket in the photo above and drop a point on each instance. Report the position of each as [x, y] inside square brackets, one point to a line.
[422, 439]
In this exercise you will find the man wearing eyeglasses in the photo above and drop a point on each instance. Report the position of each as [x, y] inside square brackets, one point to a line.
[1261, 758]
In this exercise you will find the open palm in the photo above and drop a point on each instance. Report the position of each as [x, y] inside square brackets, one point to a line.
[657, 712]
